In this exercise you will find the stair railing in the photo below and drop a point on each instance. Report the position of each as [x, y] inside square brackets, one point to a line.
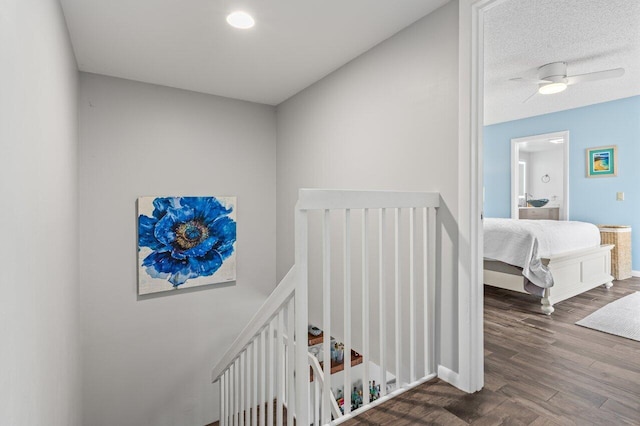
[267, 368]
[396, 241]
[255, 375]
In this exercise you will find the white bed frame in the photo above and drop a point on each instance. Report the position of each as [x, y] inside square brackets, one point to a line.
[573, 273]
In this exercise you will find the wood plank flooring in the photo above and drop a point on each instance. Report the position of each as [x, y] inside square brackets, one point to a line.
[539, 370]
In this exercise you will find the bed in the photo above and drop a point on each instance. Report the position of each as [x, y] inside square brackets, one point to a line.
[554, 260]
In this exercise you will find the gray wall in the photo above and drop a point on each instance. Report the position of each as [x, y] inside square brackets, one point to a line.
[148, 361]
[386, 120]
[39, 354]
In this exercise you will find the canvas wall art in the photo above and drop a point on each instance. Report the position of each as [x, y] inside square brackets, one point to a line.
[602, 161]
[185, 242]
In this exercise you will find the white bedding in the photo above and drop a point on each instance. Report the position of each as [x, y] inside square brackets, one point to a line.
[523, 243]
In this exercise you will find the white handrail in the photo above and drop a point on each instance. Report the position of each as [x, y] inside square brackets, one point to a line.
[331, 199]
[271, 306]
[319, 376]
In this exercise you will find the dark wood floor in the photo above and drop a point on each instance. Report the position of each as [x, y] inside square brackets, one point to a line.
[539, 370]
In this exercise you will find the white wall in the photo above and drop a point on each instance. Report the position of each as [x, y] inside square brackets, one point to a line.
[39, 354]
[386, 120]
[550, 163]
[148, 361]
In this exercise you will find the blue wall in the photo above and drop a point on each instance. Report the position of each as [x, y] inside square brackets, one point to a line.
[590, 199]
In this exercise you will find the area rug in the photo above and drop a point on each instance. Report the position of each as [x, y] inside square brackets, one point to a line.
[621, 318]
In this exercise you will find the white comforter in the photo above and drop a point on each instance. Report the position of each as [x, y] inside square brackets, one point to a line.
[523, 243]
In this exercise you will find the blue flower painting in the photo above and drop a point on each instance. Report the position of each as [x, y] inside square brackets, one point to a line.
[185, 242]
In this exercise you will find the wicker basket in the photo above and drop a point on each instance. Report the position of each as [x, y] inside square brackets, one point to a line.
[620, 236]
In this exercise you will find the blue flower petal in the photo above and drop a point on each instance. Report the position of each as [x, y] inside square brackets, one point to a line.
[224, 228]
[163, 231]
[181, 277]
[182, 214]
[161, 205]
[207, 265]
[225, 251]
[162, 265]
[178, 254]
[151, 271]
[162, 262]
[146, 238]
[207, 209]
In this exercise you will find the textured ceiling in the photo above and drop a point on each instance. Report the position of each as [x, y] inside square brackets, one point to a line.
[593, 35]
[188, 44]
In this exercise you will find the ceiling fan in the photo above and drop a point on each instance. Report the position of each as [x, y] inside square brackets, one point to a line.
[553, 78]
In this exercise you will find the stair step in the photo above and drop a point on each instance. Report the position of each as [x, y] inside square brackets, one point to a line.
[356, 359]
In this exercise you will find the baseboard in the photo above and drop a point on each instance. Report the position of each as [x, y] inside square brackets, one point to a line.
[635, 273]
[449, 376]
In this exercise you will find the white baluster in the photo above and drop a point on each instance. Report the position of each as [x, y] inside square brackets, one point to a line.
[317, 395]
[382, 299]
[425, 287]
[326, 313]
[229, 410]
[235, 393]
[279, 368]
[431, 258]
[412, 305]
[270, 372]
[223, 390]
[347, 310]
[397, 296]
[291, 400]
[241, 365]
[263, 377]
[365, 307]
[255, 400]
[248, 391]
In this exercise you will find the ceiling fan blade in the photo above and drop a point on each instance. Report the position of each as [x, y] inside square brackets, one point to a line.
[529, 80]
[532, 95]
[593, 76]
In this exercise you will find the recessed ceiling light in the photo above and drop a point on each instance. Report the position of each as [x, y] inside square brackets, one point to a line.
[240, 20]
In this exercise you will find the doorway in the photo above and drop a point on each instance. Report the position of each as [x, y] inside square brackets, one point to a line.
[540, 176]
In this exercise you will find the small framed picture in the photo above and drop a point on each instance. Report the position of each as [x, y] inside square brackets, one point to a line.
[602, 161]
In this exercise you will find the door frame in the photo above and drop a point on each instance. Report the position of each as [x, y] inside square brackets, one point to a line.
[470, 375]
[515, 153]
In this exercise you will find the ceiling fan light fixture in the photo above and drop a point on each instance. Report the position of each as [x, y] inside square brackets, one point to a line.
[553, 78]
[551, 88]
[241, 20]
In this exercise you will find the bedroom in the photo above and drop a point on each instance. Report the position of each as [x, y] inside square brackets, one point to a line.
[78, 147]
[520, 123]
[597, 109]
